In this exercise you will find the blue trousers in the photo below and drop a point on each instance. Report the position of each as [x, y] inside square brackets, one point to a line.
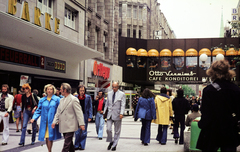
[145, 131]
[26, 115]
[162, 134]
[99, 121]
[179, 119]
[81, 137]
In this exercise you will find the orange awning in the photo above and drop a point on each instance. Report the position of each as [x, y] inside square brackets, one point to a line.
[218, 51]
[165, 52]
[142, 52]
[131, 51]
[205, 51]
[191, 52]
[153, 52]
[178, 52]
[231, 52]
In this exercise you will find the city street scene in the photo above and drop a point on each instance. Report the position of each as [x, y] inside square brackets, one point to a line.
[113, 75]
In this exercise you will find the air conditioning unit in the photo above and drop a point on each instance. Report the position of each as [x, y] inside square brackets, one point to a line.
[105, 44]
[88, 34]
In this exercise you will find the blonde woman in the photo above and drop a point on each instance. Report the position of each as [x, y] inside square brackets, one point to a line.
[47, 108]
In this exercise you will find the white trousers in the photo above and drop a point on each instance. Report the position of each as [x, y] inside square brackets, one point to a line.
[5, 127]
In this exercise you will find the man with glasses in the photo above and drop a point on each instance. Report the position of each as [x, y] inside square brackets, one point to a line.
[6, 101]
[115, 105]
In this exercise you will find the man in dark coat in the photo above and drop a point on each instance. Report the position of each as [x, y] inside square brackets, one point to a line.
[220, 103]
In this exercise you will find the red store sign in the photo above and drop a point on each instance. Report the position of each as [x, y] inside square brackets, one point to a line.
[100, 70]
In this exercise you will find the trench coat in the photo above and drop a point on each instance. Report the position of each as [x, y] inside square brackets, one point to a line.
[164, 110]
[47, 112]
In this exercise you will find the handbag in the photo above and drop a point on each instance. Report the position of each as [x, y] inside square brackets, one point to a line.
[105, 114]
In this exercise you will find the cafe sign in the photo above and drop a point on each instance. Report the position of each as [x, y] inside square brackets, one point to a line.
[170, 76]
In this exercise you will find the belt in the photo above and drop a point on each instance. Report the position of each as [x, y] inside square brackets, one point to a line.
[2, 110]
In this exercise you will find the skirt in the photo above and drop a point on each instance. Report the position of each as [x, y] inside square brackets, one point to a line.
[17, 112]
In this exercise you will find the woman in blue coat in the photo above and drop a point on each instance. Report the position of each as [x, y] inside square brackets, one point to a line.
[147, 112]
[86, 104]
[47, 107]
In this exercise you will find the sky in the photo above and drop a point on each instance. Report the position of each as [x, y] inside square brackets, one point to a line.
[197, 18]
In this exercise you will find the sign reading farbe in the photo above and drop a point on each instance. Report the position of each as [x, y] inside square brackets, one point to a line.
[101, 70]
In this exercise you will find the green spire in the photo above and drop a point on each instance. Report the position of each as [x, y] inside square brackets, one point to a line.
[221, 27]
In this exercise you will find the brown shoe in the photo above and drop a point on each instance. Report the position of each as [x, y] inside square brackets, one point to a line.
[4, 143]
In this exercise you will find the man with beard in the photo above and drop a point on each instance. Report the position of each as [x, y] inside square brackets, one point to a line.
[6, 101]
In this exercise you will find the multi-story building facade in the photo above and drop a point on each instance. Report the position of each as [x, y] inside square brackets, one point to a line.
[143, 19]
[43, 41]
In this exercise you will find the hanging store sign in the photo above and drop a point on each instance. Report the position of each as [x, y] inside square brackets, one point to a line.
[100, 70]
[13, 56]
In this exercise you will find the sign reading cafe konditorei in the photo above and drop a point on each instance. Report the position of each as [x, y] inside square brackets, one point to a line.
[170, 76]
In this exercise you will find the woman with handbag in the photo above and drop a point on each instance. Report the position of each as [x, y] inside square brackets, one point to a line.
[147, 112]
[29, 105]
[17, 103]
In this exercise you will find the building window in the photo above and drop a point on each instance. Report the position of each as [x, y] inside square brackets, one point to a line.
[119, 32]
[128, 30]
[140, 13]
[120, 10]
[140, 33]
[70, 17]
[129, 11]
[135, 12]
[46, 6]
[134, 32]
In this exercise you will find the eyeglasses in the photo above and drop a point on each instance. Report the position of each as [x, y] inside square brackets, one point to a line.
[25, 88]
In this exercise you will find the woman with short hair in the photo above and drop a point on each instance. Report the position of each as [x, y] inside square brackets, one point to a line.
[47, 109]
[147, 112]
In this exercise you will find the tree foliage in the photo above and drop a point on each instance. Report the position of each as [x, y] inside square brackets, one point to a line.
[188, 90]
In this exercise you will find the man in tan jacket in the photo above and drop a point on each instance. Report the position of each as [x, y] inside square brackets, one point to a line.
[69, 116]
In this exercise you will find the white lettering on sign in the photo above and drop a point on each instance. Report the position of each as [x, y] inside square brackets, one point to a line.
[169, 73]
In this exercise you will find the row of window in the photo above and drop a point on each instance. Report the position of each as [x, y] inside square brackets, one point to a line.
[178, 62]
[137, 12]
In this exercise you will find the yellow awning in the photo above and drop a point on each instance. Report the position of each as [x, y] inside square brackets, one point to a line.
[218, 51]
[142, 52]
[165, 52]
[191, 52]
[231, 52]
[131, 51]
[178, 52]
[153, 52]
[205, 51]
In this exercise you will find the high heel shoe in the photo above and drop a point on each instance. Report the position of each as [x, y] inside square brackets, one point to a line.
[21, 144]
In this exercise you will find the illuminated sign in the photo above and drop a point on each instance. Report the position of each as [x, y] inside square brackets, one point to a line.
[9, 55]
[12, 9]
[100, 70]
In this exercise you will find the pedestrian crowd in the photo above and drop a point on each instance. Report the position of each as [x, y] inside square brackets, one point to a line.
[59, 112]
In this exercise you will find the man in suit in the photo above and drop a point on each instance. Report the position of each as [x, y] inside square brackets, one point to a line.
[6, 101]
[69, 116]
[115, 105]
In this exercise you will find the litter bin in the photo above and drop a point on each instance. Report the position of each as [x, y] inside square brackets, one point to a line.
[195, 131]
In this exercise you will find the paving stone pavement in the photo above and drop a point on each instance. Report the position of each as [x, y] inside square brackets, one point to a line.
[129, 140]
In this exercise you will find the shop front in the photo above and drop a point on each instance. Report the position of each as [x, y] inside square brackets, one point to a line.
[33, 54]
[180, 61]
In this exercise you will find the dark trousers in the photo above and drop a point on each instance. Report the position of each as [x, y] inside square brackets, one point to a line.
[145, 131]
[179, 119]
[68, 143]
